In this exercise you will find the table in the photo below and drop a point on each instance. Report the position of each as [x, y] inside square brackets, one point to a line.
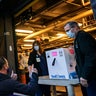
[69, 83]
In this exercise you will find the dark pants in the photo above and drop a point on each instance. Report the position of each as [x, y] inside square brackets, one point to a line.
[43, 90]
[91, 89]
[84, 91]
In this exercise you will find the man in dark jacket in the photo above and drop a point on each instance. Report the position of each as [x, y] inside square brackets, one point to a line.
[8, 85]
[85, 50]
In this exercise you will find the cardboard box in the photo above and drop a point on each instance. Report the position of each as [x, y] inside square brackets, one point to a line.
[61, 63]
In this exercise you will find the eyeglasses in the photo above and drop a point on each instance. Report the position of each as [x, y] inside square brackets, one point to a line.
[68, 30]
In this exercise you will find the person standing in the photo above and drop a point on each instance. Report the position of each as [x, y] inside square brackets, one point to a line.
[37, 57]
[9, 84]
[85, 51]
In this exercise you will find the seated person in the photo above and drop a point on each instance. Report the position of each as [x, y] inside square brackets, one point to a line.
[9, 85]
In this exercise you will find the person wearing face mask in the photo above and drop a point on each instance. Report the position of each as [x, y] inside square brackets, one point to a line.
[9, 84]
[37, 57]
[85, 53]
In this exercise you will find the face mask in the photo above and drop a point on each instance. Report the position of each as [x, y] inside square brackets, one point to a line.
[36, 48]
[70, 34]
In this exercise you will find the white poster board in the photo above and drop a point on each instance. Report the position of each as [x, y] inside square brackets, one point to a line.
[61, 63]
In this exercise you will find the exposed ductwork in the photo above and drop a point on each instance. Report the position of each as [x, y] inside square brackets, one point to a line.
[26, 7]
[83, 14]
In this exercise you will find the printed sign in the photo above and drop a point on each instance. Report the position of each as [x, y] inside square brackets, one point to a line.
[61, 63]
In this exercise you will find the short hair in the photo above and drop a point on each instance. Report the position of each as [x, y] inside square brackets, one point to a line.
[72, 24]
[2, 62]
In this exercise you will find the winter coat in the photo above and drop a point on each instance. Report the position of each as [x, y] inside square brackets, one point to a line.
[85, 51]
[8, 86]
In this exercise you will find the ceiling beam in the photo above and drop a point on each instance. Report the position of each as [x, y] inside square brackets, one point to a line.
[83, 14]
[26, 7]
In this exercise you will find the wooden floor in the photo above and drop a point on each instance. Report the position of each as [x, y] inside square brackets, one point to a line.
[61, 91]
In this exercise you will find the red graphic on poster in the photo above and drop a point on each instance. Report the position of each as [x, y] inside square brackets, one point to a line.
[71, 50]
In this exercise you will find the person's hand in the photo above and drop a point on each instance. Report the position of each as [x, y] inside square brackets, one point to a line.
[83, 82]
[13, 75]
[31, 70]
[34, 69]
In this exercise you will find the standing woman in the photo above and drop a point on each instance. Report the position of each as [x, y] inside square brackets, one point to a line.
[37, 57]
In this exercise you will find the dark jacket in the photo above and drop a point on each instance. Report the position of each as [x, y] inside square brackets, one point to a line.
[85, 50]
[40, 65]
[8, 86]
[42, 68]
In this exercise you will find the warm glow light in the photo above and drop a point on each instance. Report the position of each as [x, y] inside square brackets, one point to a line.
[21, 34]
[90, 29]
[26, 47]
[60, 35]
[30, 45]
[80, 24]
[29, 40]
[23, 31]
